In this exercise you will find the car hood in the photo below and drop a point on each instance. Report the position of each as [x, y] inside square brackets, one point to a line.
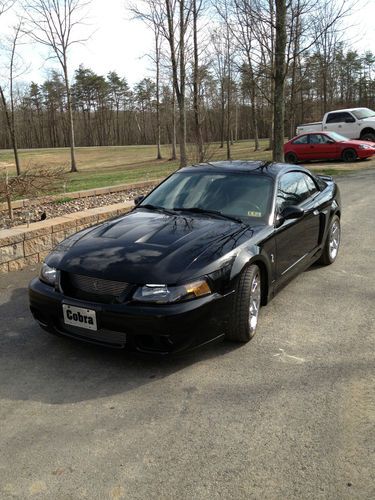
[145, 247]
[355, 142]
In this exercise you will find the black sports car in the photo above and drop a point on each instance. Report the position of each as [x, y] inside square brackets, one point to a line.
[193, 261]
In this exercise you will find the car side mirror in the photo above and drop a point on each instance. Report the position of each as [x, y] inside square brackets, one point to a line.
[330, 141]
[138, 200]
[288, 213]
[349, 120]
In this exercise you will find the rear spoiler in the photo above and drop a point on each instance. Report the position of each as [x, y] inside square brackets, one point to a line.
[327, 178]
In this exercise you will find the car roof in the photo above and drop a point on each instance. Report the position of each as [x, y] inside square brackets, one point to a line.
[318, 132]
[269, 168]
[345, 110]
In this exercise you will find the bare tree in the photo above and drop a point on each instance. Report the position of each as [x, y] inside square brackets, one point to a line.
[279, 78]
[5, 5]
[31, 183]
[223, 9]
[153, 16]
[9, 109]
[182, 10]
[51, 23]
[196, 8]
[243, 32]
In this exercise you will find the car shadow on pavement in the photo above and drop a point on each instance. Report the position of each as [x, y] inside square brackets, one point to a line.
[37, 366]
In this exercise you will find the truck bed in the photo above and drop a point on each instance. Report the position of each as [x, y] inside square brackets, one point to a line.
[310, 127]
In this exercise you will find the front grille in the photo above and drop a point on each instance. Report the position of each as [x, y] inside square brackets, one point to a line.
[95, 289]
[97, 285]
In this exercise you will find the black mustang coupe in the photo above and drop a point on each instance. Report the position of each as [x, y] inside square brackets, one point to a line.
[193, 261]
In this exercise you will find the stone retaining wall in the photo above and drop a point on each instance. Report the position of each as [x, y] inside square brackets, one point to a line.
[79, 194]
[23, 246]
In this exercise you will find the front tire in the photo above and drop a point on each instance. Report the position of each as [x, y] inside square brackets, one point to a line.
[246, 306]
[332, 243]
[349, 155]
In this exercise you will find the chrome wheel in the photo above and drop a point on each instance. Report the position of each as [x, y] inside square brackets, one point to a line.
[334, 240]
[255, 295]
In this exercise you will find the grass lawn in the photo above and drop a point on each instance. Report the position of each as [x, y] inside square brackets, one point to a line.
[106, 166]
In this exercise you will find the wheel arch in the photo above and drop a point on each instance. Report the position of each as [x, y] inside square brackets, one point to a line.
[291, 153]
[348, 148]
[367, 130]
[264, 275]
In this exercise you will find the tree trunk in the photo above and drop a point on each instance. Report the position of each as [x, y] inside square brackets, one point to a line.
[9, 203]
[228, 117]
[254, 117]
[158, 126]
[181, 96]
[12, 132]
[279, 76]
[174, 145]
[196, 95]
[73, 164]
[222, 114]
[179, 86]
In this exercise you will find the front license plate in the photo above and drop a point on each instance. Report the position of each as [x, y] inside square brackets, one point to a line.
[78, 316]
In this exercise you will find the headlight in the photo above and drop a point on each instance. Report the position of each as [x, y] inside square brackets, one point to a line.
[48, 274]
[164, 294]
[364, 146]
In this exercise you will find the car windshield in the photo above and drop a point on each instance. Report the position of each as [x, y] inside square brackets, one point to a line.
[337, 137]
[231, 194]
[362, 113]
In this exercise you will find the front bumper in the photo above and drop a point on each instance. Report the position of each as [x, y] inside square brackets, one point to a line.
[159, 329]
[365, 153]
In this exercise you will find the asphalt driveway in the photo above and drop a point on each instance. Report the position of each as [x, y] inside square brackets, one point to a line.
[291, 415]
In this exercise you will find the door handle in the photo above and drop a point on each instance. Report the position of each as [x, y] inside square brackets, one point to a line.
[340, 126]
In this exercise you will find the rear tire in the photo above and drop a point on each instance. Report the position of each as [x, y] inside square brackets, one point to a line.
[246, 306]
[349, 155]
[369, 136]
[332, 243]
[291, 158]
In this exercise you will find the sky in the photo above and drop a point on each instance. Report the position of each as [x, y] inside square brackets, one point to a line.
[121, 44]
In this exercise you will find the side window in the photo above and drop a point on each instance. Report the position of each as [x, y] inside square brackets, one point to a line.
[317, 139]
[293, 190]
[334, 118]
[340, 117]
[301, 140]
[348, 118]
[311, 185]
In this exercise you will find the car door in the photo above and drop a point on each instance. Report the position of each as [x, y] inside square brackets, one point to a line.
[343, 123]
[296, 239]
[300, 147]
[322, 147]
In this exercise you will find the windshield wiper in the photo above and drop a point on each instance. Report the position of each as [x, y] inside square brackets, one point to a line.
[199, 210]
[156, 208]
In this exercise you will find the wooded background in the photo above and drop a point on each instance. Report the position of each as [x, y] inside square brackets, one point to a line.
[221, 58]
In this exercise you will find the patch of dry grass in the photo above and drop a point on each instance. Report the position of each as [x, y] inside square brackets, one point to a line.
[105, 166]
